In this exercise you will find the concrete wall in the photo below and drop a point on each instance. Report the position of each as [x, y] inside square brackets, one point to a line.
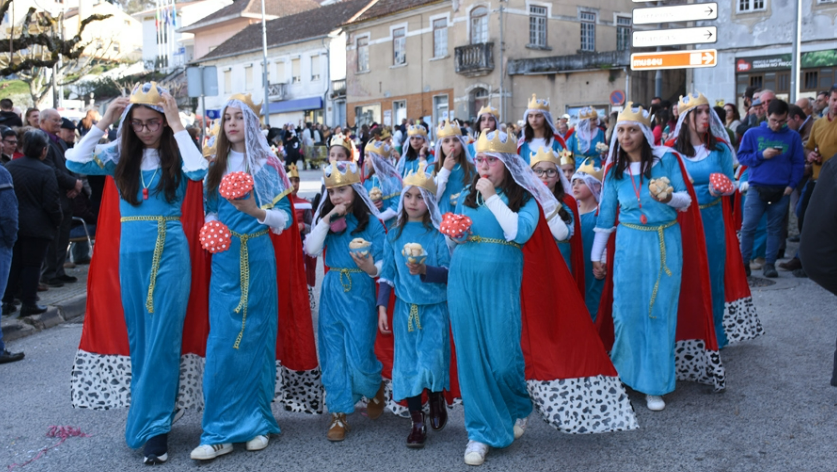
[211, 37]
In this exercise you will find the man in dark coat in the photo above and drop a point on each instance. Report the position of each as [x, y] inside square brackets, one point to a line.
[8, 117]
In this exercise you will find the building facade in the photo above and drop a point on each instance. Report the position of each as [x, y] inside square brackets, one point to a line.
[441, 58]
[755, 44]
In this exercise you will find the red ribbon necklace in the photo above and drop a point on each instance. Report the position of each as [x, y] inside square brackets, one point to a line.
[642, 218]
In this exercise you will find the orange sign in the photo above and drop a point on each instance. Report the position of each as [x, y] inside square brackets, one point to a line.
[674, 59]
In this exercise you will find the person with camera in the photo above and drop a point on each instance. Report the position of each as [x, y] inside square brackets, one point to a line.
[773, 153]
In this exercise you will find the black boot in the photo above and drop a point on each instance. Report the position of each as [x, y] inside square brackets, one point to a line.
[418, 435]
[438, 411]
[29, 310]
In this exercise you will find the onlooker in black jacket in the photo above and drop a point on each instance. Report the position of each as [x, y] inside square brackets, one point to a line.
[70, 186]
[39, 215]
[8, 236]
[7, 115]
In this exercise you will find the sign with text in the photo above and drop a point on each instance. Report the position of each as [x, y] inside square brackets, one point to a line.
[675, 37]
[674, 60]
[674, 14]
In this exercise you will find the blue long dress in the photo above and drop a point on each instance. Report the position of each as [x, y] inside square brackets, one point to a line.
[564, 246]
[644, 319]
[700, 168]
[154, 318]
[592, 286]
[526, 150]
[453, 189]
[412, 166]
[575, 145]
[420, 321]
[240, 374]
[484, 302]
[390, 201]
[348, 323]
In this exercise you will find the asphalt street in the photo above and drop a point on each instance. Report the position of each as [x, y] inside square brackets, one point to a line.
[778, 414]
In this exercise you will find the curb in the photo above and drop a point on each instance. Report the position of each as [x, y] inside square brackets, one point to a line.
[67, 310]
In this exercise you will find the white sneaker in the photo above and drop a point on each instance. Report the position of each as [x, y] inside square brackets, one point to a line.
[520, 427]
[475, 453]
[654, 402]
[205, 452]
[258, 443]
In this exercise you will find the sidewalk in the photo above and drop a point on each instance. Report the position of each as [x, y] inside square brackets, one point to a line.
[65, 303]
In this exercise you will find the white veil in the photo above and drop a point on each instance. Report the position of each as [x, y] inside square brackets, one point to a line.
[388, 176]
[402, 162]
[465, 148]
[429, 200]
[342, 167]
[715, 126]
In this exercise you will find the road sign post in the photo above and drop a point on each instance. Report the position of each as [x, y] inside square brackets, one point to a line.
[201, 82]
[674, 59]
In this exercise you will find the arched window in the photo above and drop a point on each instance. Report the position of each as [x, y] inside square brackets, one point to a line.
[479, 25]
[479, 99]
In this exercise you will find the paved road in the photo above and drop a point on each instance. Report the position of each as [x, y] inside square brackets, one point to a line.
[778, 414]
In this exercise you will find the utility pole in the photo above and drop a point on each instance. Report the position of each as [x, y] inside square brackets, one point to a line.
[265, 102]
[797, 54]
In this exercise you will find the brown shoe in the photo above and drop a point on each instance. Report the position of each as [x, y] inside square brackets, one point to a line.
[418, 434]
[69, 265]
[375, 407]
[791, 265]
[339, 427]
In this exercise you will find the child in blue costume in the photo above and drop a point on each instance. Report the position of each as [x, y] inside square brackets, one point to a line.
[587, 189]
[587, 135]
[700, 139]
[546, 165]
[347, 323]
[382, 183]
[154, 263]
[454, 167]
[488, 119]
[648, 259]
[240, 374]
[420, 321]
[538, 130]
[415, 152]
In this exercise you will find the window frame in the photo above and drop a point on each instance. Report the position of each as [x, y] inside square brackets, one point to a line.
[296, 79]
[362, 59]
[315, 59]
[442, 30]
[588, 28]
[227, 81]
[399, 41]
[248, 81]
[751, 8]
[534, 18]
[478, 13]
[624, 32]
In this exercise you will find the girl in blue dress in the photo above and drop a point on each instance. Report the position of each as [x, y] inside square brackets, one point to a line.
[416, 152]
[538, 130]
[547, 167]
[454, 167]
[587, 135]
[587, 189]
[240, 374]
[151, 162]
[381, 175]
[503, 204]
[488, 119]
[347, 322]
[701, 140]
[420, 321]
[648, 260]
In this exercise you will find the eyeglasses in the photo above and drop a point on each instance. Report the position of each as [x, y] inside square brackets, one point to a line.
[491, 161]
[152, 126]
[548, 172]
[10, 142]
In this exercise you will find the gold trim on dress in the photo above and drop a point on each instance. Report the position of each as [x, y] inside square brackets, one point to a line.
[503, 242]
[158, 252]
[663, 266]
[244, 269]
[707, 205]
[347, 286]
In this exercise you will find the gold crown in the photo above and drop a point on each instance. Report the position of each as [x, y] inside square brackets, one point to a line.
[247, 99]
[586, 167]
[587, 113]
[638, 114]
[689, 101]
[420, 178]
[209, 151]
[544, 155]
[341, 178]
[215, 129]
[416, 130]
[378, 147]
[496, 144]
[385, 134]
[293, 171]
[152, 97]
[535, 104]
[566, 157]
[491, 110]
[344, 141]
[447, 129]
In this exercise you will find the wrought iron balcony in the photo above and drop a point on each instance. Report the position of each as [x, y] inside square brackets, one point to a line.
[338, 88]
[276, 92]
[475, 60]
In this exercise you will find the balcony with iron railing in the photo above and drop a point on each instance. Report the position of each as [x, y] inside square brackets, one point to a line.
[277, 92]
[475, 60]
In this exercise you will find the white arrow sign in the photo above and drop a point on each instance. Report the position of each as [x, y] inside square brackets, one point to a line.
[674, 37]
[693, 12]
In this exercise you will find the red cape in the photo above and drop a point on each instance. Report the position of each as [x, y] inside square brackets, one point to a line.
[576, 246]
[694, 312]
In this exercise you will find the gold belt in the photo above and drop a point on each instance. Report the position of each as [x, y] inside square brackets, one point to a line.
[414, 315]
[391, 196]
[480, 239]
[716, 202]
[347, 286]
[663, 267]
[244, 269]
[158, 251]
